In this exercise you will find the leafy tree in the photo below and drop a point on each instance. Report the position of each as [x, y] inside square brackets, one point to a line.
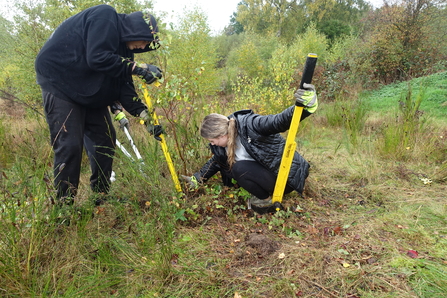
[192, 54]
[6, 38]
[224, 44]
[436, 32]
[251, 56]
[248, 59]
[337, 17]
[286, 18]
[6, 43]
[235, 27]
[402, 43]
[280, 18]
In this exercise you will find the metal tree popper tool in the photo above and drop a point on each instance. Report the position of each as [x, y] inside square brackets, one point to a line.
[132, 144]
[290, 146]
[164, 147]
[127, 153]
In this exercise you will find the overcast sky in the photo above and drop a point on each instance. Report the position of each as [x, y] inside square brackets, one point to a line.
[219, 12]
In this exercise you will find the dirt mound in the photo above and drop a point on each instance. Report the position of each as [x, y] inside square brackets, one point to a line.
[261, 243]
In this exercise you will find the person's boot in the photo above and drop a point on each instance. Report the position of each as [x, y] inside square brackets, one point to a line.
[260, 203]
[264, 206]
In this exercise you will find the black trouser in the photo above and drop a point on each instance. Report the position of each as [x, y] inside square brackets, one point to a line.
[254, 178]
[70, 124]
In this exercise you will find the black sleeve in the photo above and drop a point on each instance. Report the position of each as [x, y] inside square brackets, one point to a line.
[271, 124]
[130, 101]
[217, 163]
[209, 169]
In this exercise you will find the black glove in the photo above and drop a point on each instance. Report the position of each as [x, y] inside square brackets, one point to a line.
[155, 130]
[149, 73]
[116, 107]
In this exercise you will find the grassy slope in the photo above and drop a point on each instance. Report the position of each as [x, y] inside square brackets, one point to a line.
[434, 88]
[352, 234]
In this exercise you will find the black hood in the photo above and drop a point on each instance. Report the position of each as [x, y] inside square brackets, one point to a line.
[137, 26]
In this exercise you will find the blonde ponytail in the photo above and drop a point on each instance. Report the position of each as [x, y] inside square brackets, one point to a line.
[231, 145]
[216, 125]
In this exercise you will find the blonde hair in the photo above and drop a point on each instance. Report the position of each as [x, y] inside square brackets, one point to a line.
[216, 125]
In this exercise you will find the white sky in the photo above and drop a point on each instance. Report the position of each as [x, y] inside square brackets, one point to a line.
[219, 12]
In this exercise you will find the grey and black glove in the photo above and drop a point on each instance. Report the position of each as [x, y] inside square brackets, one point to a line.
[149, 73]
[191, 181]
[307, 98]
[155, 130]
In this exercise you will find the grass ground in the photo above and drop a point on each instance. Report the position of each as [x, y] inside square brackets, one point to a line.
[369, 224]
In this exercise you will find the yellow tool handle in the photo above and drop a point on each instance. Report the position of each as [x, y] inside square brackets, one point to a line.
[290, 146]
[164, 147]
[287, 156]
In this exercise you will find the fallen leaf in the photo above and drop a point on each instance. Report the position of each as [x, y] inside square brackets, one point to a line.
[174, 259]
[343, 251]
[346, 265]
[100, 210]
[312, 230]
[412, 254]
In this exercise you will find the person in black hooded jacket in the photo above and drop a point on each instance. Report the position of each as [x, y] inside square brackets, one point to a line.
[85, 66]
[248, 148]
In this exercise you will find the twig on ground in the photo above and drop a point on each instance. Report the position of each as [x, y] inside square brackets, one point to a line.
[321, 287]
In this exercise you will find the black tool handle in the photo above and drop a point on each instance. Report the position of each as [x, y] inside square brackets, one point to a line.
[309, 67]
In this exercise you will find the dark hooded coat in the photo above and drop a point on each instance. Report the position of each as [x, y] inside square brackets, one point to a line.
[260, 135]
[86, 59]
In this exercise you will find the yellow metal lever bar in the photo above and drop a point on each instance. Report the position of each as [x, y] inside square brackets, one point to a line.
[287, 156]
[290, 146]
[164, 147]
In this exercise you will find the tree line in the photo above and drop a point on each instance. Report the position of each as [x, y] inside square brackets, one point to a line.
[359, 46]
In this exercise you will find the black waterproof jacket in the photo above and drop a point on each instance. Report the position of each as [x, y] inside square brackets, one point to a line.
[260, 135]
[86, 60]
